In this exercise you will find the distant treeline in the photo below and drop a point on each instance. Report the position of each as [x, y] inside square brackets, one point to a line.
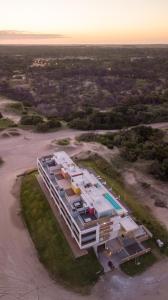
[126, 115]
[83, 50]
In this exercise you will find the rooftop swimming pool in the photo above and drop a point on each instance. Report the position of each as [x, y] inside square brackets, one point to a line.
[112, 200]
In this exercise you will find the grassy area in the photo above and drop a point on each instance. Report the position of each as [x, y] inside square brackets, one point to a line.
[53, 249]
[140, 212]
[139, 264]
[6, 123]
[63, 142]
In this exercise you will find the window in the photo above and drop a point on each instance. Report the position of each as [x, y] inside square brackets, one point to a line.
[88, 242]
[76, 228]
[89, 233]
[76, 235]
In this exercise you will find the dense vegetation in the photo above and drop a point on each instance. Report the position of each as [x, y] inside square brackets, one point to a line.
[31, 120]
[90, 87]
[124, 115]
[39, 123]
[140, 212]
[139, 142]
[53, 249]
[16, 107]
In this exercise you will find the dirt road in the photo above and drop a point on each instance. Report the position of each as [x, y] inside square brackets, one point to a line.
[21, 274]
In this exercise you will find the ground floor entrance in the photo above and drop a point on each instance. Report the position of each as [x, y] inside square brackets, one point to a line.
[101, 248]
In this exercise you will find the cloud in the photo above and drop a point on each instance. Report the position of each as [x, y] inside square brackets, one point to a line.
[15, 35]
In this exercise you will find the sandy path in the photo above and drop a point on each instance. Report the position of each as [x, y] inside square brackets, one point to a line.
[21, 274]
[157, 190]
[151, 285]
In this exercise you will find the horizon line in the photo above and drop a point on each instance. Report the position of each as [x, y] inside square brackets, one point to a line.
[86, 44]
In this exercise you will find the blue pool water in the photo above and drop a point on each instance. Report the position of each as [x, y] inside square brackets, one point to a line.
[111, 199]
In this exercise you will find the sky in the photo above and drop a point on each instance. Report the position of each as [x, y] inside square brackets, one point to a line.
[83, 21]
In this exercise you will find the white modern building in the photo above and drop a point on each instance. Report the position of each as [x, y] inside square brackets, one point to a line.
[92, 213]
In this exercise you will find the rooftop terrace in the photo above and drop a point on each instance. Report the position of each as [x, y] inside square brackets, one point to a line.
[87, 199]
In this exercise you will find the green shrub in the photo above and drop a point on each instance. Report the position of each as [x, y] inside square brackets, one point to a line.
[16, 106]
[42, 127]
[6, 123]
[31, 119]
[160, 169]
[63, 142]
[82, 124]
[53, 123]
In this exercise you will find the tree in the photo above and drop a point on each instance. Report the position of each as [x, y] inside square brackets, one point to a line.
[160, 169]
[42, 127]
[53, 123]
[164, 169]
[129, 154]
[80, 124]
[31, 119]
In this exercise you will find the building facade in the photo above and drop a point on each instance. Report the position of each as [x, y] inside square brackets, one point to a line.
[92, 213]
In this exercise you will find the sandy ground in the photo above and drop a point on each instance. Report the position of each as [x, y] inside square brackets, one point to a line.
[148, 286]
[21, 274]
[157, 190]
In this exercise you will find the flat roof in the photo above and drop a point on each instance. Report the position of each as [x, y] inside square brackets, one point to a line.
[93, 192]
[128, 224]
[67, 163]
